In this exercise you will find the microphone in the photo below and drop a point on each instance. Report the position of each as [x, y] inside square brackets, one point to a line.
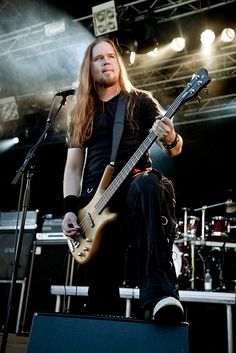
[69, 92]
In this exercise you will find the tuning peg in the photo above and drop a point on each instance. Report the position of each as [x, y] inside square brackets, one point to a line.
[206, 90]
[199, 99]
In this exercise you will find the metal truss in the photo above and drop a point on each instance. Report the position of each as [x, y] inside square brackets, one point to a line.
[173, 72]
[162, 76]
[163, 10]
[33, 37]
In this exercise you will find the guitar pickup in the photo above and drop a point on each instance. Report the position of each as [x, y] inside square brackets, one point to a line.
[91, 222]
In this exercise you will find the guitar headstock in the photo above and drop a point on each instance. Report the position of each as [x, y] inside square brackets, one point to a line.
[197, 83]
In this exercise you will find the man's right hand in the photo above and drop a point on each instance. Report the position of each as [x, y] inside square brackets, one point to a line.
[70, 225]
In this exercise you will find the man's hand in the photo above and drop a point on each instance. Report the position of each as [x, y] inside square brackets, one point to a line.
[164, 129]
[70, 225]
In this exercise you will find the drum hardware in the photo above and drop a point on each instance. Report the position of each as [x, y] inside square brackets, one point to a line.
[232, 228]
[185, 223]
[192, 280]
[205, 251]
[204, 208]
[221, 277]
[177, 259]
[181, 262]
[190, 232]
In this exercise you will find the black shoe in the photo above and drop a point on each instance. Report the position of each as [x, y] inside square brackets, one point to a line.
[168, 311]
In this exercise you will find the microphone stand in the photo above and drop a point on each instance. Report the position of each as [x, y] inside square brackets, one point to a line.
[20, 174]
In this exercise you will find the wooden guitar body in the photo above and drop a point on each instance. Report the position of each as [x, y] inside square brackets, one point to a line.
[92, 223]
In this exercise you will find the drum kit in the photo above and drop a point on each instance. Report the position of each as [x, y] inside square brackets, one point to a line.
[202, 245]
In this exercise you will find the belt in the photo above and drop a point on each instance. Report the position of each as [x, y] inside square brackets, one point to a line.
[137, 170]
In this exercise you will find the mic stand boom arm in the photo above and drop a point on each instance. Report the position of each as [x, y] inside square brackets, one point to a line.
[25, 204]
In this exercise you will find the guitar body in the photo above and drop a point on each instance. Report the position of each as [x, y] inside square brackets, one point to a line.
[86, 245]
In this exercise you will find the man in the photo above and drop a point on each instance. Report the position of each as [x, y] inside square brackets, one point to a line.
[145, 200]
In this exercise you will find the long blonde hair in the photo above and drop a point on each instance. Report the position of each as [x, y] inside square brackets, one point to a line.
[82, 114]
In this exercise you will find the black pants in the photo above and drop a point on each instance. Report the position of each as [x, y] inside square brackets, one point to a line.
[146, 205]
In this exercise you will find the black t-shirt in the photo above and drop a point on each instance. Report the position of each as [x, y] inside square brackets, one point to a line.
[99, 146]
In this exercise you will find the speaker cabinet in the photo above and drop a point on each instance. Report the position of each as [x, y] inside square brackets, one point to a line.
[16, 304]
[63, 333]
[7, 252]
[8, 239]
[49, 265]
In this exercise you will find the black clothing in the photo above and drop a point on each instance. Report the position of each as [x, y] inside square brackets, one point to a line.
[100, 144]
[145, 203]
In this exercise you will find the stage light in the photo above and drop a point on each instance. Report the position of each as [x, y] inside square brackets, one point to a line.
[153, 53]
[177, 44]
[54, 28]
[15, 140]
[207, 37]
[8, 109]
[104, 18]
[6, 144]
[132, 57]
[228, 35]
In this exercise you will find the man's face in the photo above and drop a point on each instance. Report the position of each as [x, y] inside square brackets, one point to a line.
[105, 69]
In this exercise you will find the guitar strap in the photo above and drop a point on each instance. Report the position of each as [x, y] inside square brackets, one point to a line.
[118, 126]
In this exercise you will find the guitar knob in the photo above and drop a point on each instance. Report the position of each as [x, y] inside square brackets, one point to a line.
[88, 240]
[80, 254]
[85, 248]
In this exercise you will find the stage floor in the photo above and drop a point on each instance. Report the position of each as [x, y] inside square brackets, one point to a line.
[16, 343]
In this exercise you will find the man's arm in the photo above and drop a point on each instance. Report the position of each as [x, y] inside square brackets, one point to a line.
[71, 189]
[73, 172]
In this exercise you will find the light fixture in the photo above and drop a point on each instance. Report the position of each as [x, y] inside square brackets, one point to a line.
[177, 44]
[132, 57]
[6, 144]
[54, 28]
[8, 109]
[153, 53]
[207, 37]
[104, 18]
[15, 140]
[227, 35]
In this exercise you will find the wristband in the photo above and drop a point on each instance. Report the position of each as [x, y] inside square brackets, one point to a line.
[173, 144]
[71, 204]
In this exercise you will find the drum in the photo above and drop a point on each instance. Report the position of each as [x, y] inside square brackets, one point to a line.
[193, 227]
[219, 226]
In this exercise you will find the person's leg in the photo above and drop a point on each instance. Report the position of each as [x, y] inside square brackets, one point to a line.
[153, 227]
[105, 275]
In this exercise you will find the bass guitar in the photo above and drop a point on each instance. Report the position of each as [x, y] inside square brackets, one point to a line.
[94, 217]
